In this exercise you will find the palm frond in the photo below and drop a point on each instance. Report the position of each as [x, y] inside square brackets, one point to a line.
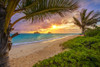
[45, 7]
[89, 14]
[83, 15]
[92, 22]
[95, 15]
[4, 3]
[93, 19]
[77, 22]
[23, 6]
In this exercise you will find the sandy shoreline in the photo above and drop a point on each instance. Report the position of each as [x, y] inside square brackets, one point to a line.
[27, 55]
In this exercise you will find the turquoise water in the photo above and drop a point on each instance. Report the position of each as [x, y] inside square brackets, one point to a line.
[32, 38]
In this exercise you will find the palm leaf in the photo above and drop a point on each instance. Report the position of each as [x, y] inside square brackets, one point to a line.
[47, 7]
[22, 6]
[83, 15]
[92, 22]
[93, 19]
[77, 22]
[89, 14]
[96, 15]
[6, 2]
[2, 3]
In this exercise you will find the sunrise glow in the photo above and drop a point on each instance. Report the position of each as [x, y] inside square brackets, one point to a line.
[54, 26]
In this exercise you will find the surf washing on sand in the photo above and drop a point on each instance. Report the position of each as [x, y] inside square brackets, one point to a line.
[33, 38]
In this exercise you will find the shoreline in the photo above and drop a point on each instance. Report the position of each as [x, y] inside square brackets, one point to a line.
[32, 53]
[33, 42]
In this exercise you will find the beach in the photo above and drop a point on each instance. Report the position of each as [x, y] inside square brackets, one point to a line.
[28, 55]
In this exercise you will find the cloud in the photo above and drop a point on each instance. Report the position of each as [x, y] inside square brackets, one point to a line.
[25, 26]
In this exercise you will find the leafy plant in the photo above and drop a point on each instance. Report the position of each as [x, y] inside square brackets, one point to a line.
[93, 32]
[84, 52]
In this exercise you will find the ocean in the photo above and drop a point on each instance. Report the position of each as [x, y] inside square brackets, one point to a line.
[33, 38]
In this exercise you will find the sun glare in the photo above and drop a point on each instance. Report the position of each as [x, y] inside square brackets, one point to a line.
[54, 26]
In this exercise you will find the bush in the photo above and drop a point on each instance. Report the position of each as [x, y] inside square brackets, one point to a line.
[84, 58]
[93, 32]
[84, 52]
[80, 42]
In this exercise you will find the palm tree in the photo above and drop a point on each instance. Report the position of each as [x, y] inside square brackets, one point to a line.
[33, 9]
[87, 19]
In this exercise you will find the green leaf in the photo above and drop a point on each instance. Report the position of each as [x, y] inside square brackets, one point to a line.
[45, 8]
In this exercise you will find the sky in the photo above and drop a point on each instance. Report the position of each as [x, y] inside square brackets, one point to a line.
[55, 24]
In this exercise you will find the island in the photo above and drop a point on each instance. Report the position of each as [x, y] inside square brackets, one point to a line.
[49, 32]
[36, 32]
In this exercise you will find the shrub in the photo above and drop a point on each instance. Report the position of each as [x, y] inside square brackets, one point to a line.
[84, 58]
[84, 52]
[79, 42]
[93, 32]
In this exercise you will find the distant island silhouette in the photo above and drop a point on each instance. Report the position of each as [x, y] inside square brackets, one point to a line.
[36, 32]
[49, 32]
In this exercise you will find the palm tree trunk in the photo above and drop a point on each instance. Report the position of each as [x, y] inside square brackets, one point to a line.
[83, 31]
[4, 51]
[4, 61]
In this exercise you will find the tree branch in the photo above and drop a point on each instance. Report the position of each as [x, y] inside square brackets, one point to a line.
[14, 35]
[12, 29]
[19, 10]
[17, 21]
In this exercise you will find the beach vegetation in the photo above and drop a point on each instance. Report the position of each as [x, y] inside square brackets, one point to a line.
[93, 32]
[84, 51]
[32, 10]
